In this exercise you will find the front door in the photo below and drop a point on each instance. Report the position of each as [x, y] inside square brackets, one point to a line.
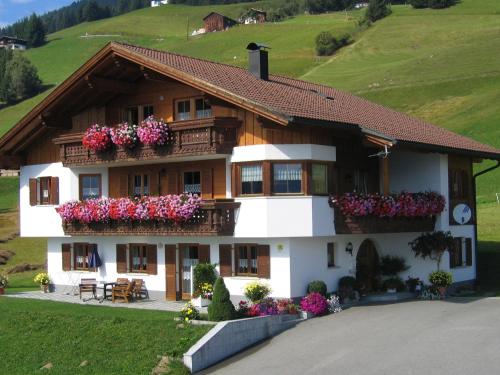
[367, 267]
[189, 258]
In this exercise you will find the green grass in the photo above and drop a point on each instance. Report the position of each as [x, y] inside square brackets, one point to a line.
[9, 193]
[113, 340]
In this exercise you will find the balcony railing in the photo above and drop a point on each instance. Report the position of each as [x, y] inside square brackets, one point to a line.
[214, 218]
[195, 137]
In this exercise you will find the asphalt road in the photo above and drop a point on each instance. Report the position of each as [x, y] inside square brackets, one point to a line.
[457, 336]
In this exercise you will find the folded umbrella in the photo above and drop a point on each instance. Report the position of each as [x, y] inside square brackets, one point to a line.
[94, 259]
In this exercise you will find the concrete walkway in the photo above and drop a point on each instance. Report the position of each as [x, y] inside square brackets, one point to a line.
[456, 336]
[147, 304]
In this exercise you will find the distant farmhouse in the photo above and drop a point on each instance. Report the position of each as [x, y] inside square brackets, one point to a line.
[158, 3]
[217, 22]
[10, 42]
[253, 16]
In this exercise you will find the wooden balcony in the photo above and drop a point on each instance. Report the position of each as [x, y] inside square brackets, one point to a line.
[373, 224]
[191, 138]
[215, 218]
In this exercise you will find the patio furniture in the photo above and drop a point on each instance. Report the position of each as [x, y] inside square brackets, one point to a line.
[108, 287]
[88, 286]
[140, 291]
[123, 292]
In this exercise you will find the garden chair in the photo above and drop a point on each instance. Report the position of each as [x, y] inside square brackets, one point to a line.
[88, 286]
[109, 286]
[123, 292]
[140, 291]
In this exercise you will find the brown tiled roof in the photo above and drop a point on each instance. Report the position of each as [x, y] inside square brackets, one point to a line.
[300, 100]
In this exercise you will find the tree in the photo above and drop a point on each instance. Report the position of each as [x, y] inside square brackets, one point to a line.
[221, 308]
[20, 81]
[377, 9]
[35, 31]
[433, 245]
[91, 11]
[327, 44]
[419, 4]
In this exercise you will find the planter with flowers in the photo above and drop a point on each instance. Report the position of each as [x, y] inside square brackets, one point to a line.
[43, 279]
[314, 304]
[205, 293]
[4, 281]
[124, 135]
[97, 138]
[441, 280]
[189, 313]
[154, 133]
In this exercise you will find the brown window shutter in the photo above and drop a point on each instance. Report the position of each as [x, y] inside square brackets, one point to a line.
[33, 192]
[204, 253]
[170, 271]
[235, 172]
[54, 190]
[266, 177]
[152, 260]
[468, 251]
[66, 256]
[172, 180]
[121, 258]
[123, 182]
[206, 183]
[225, 261]
[263, 262]
[455, 253]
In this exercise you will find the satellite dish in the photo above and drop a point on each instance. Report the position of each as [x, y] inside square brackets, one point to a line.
[462, 213]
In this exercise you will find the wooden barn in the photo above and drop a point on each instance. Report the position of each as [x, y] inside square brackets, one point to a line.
[218, 22]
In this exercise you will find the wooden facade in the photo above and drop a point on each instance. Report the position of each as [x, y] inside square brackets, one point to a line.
[217, 22]
[460, 184]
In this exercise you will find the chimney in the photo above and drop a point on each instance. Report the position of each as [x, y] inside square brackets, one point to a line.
[258, 64]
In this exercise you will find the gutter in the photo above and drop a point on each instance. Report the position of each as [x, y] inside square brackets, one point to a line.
[474, 177]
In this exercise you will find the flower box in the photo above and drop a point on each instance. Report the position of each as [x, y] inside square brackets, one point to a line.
[200, 302]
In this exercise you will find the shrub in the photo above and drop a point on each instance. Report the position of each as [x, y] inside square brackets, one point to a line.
[392, 265]
[221, 307]
[440, 279]
[20, 79]
[257, 291]
[347, 282]
[394, 283]
[189, 312]
[317, 286]
[42, 278]
[203, 273]
[419, 4]
[327, 44]
[432, 245]
[377, 9]
[314, 303]
[4, 281]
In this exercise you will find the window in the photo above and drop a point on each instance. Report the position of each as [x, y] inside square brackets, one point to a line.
[251, 179]
[319, 179]
[132, 115]
[90, 186]
[44, 191]
[147, 110]
[138, 258]
[461, 256]
[459, 184]
[192, 182]
[360, 181]
[141, 185]
[81, 253]
[287, 178]
[203, 108]
[330, 251]
[183, 110]
[246, 260]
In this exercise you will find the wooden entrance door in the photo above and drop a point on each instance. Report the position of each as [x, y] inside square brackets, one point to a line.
[367, 267]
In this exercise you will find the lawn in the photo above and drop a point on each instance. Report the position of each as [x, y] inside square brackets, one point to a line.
[112, 340]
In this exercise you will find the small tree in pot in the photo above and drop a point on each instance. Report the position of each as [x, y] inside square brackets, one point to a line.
[432, 245]
[391, 266]
[441, 280]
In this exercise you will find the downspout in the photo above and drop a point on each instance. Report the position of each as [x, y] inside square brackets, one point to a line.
[475, 208]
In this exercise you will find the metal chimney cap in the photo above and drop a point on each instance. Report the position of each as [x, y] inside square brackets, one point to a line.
[256, 46]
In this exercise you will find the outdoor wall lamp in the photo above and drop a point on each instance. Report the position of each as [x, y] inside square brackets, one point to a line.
[349, 247]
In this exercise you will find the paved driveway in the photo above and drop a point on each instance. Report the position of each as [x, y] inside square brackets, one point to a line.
[459, 336]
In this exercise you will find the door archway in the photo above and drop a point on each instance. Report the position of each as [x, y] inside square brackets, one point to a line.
[367, 267]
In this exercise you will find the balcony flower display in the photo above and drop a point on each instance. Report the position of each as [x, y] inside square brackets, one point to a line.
[97, 138]
[424, 204]
[174, 208]
[124, 135]
[154, 132]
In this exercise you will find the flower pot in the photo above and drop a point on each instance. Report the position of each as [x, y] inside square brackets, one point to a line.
[306, 315]
[44, 288]
[2, 290]
[442, 291]
[200, 302]
[391, 290]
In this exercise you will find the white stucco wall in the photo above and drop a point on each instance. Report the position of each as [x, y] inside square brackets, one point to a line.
[283, 152]
[43, 221]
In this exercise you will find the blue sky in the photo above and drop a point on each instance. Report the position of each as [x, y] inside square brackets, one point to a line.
[13, 10]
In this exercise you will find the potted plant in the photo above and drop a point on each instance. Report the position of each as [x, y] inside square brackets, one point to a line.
[97, 138]
[203, 281]
[314, 304]
[393, 284]
[42, 278]
[203, 295]
[432, 245]
[152, 132]
[413, 284]
[257, 291]
[124, 135]
[441, 280]
[4, 281]
[391, 266]
[188, 313]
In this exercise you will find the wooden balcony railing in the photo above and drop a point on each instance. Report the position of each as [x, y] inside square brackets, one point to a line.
[194, 137]
[215, 218]
[373, 224]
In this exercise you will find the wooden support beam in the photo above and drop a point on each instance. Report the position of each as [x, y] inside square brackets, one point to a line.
[52, 122]
[110, 85]
[11, 161]
[384, 173]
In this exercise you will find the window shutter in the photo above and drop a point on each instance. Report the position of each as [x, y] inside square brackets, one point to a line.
[33, 192]
[263, 262]
[173, 186]
[54, 190]
[66, 256]
[123, 182]
[152, 260]
[468, 251]
[121, 258]
[204, 253]
[170, 260]
[225, 261]
[206, 183]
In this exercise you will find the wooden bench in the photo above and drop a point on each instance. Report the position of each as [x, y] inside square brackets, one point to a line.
[88, 286]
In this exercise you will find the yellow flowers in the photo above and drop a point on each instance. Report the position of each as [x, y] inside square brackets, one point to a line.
[257, 291]
[189, 312]
[42, 278]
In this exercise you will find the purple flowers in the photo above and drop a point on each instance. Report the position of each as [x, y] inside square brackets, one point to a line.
[97, 138]
[153, 132]
[176, 208]
[314, 303]
[397, 205]
[124, 135]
